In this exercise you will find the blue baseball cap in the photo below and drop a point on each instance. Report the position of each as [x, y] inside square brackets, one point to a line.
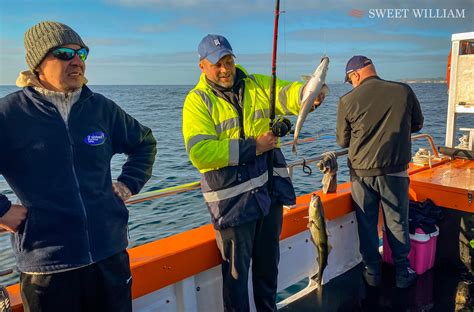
[213, 48]
[356, 62]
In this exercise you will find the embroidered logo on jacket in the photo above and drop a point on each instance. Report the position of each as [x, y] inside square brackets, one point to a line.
[95, 138]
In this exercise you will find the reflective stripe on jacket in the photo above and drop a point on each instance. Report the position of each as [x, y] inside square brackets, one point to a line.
[234, 178]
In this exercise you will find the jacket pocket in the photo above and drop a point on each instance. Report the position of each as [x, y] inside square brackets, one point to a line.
[18, 238]
[20, 235]
[122, 206]
[220, 179]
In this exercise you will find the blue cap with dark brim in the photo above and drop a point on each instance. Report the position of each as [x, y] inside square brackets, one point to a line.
[213, 48]
[356, 62]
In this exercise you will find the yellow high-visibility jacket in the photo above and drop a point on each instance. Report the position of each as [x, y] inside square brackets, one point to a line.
[234, 178]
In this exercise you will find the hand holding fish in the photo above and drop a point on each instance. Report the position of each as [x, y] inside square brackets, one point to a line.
[319, 100]
[266, 142]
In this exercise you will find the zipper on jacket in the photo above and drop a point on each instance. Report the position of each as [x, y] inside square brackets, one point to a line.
[71, 146]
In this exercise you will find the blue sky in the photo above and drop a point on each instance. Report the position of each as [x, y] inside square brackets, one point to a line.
[154, 41]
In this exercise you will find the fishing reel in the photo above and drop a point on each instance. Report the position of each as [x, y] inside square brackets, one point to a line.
[281, 127]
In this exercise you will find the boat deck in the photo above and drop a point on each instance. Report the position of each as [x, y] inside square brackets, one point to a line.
[449, 185]
[445, 287]
[439, 289]
[161, 269]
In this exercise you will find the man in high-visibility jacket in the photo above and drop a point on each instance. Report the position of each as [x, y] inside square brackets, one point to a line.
[226, 133]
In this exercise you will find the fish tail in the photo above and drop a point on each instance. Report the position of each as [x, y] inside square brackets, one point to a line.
[317, 279]
[294, 149]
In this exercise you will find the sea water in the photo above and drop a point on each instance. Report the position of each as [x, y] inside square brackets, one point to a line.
[160, 108]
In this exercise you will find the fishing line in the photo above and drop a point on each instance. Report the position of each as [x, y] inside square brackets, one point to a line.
[270, 156]
[325, 42]
[285, 63]
[324, 135]
[164, 180]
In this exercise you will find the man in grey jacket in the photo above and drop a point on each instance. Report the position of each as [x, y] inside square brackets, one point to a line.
[375, 120]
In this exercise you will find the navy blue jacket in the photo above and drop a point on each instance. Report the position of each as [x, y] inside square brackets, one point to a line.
[61, 174]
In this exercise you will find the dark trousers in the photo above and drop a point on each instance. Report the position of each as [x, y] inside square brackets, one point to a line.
[257, 241]
[102, 286]
[392, 193]
[465, 238]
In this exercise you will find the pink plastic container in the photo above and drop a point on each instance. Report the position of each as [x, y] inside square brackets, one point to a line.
[422, 252]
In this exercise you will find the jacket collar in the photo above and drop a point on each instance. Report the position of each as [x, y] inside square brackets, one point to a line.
[37, 98]
[369, 78]
[239, 76]
[28, 79]
[202, 83]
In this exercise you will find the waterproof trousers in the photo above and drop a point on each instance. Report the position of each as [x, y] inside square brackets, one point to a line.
[257, 241]
[102, 286]
[367, 195]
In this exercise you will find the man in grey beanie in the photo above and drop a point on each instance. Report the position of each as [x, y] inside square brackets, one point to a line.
[57, 138]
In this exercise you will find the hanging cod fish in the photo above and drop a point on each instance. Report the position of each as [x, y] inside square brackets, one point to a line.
[314, 86]
[317, 227]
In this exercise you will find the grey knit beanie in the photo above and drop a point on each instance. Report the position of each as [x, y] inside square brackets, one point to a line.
[44, 36]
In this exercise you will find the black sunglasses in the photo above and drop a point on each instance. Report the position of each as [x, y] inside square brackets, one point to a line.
[349, 80]
[67, 54]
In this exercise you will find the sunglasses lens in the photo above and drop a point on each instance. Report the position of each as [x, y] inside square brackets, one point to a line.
[82, 54]
[64, 54]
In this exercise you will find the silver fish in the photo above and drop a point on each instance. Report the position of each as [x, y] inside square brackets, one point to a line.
[319, 236]
[313, 88]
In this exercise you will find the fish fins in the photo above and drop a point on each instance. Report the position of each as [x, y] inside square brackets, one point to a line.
[325, 89]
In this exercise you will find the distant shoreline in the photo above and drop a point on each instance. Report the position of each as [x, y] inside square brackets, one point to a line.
[423, 81]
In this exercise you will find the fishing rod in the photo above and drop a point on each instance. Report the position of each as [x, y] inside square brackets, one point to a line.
[311, 139]
[163, 192]
[274, 59]
[146, 196]
[307, 140]
[272, 93]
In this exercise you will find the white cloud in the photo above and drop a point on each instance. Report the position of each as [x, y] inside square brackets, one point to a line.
[91, 41]
[11, 47]
[300, 5]
[190, 4]
[157, 28]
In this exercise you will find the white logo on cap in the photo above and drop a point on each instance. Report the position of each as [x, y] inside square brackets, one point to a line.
[216, 42]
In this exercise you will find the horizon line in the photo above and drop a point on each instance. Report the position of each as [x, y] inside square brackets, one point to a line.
[437, 80]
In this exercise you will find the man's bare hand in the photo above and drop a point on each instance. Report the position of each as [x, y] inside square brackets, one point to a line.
[13, 218]
[121, 190]
[318, 101]
[266, 142]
